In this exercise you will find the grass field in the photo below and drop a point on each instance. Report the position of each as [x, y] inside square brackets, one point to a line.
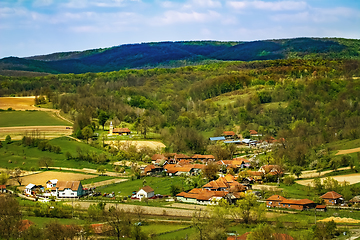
[161, 185]
[96, 179]
[26, 157]
[29, 118]
[41, 221]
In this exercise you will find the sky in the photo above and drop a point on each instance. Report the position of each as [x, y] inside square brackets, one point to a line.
[38, 27]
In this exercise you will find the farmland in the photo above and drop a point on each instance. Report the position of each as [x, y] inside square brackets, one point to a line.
[30, 118]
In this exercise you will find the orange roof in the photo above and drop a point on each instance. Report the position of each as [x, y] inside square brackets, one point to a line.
[253, 132]
[157, 156]
[184, 162]
[331, 195]
[254, 173]
[229, 133]
[73, 185]
[203, 156]
[276, 198]
[147, 189]
[195, 190]
[297, 201]
[282, 236]
[320, 206]
[230, 178]
[181, 194]
[121, 130]
[180, 155]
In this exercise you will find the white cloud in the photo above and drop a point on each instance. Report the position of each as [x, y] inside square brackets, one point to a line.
[42, 3]
[171, 17]
[271, 6]
[206, 3]
[318, 15]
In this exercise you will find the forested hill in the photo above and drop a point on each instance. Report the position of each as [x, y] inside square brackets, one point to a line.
[176, 54]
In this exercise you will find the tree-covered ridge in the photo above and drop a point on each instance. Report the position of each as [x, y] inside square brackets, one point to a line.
[307, 102]
[176, 54]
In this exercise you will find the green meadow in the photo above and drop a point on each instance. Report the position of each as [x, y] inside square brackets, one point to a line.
[29, 118]
[16, 155]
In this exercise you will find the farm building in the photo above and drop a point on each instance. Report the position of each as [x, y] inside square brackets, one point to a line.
[145, 192]
[121, 131]
[297, 204]
[67, 189]
[51, 183]
[332, 198]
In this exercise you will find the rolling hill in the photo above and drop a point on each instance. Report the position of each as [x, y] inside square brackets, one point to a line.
[175, 54]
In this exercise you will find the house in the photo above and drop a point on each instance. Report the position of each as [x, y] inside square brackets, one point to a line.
[29, 189]
[2, 188]
[355, 200]
[254, 133]
[67, 189]
[145, 192]
[51, 183]
[271, 169]
[201, 196]
[332, 198]
[153, 170]
[229, 134]
[274, 201]
[122, 131]
[321, 208]
[297, 204]
[227, 183]
[203, 158]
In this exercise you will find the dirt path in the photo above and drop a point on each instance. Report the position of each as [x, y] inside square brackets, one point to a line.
[350, 178]
[103, 183]
[313, 173]
[347, 151]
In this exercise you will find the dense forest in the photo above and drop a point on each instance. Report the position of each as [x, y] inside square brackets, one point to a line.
[307, 102]
[177, 54]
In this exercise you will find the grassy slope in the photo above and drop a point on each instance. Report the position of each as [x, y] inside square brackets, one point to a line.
[161, 185]
[16, 153]
[29, 118]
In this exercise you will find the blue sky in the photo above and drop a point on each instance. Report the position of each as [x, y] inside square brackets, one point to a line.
[36, 27]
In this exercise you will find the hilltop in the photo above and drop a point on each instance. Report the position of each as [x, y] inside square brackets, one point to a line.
[177, 54]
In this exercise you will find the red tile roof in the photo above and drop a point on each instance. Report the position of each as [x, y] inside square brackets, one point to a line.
[73, 185]
[147, 189]
[121, 130]
[275, 198]
[253, 132]
[320, 206]
[229, 133]
[157, 156]
[297, 201]
[331, 195]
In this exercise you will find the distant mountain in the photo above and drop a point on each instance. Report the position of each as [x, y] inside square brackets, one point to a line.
[175, 54]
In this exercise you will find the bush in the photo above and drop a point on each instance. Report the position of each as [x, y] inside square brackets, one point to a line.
[289, 180]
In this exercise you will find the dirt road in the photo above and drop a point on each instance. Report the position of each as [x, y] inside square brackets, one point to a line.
[349, 178]
[347, 151]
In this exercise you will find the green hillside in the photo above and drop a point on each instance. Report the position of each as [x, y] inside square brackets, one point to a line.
[30, 118]
[178, 54]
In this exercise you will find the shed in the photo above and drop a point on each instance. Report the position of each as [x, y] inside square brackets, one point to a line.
[145, 192]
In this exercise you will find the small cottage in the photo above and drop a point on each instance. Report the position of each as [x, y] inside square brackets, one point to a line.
[332, 198]
[145, 192]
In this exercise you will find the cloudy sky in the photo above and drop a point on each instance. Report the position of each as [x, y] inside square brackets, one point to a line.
[35, 27]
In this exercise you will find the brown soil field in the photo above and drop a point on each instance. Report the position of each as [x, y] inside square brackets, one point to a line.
[50, 131]
[41, 178]
[138, 144]
[18, 103]
[350, 178]
[347, 151]
[313, 173]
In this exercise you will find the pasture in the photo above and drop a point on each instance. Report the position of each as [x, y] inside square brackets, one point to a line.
[138, 144]
[16, 155]
[30, 118]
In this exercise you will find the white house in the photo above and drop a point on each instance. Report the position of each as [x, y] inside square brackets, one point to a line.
[145, 192]
[29, 188]
[67, 189]
[51, 183]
